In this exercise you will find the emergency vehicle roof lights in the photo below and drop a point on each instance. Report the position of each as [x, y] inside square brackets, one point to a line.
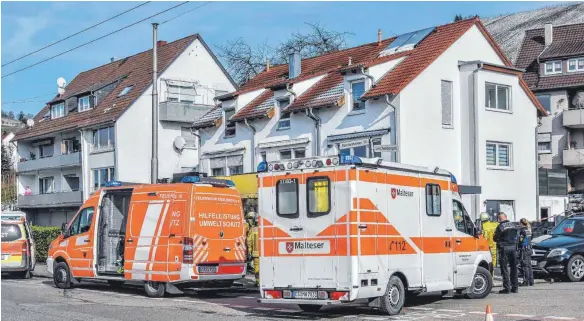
[207, 180]
[262, 167]
[453, 179]
[349, 159]
[112, 184]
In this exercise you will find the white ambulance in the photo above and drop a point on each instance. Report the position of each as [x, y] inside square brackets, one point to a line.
[338, 229]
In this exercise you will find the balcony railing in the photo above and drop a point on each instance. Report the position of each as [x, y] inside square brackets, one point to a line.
[573, 118]
[58, 199]
[55, 161]
[181, 111]
[573, 157]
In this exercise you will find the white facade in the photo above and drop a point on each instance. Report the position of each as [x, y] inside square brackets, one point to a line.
[459, 147]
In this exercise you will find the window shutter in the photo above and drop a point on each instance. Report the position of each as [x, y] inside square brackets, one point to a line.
[446, 103]
[235, 160]
[217, 162]
[70, 105]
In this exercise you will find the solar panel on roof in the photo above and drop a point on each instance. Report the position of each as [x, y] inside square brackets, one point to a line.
[419, 36]
[407, 41]
[399, 41]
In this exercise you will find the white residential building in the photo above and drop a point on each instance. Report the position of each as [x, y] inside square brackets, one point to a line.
[444, 97]
[99, 127]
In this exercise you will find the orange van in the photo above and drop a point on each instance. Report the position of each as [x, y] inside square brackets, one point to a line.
[18, 251]
[169, 236]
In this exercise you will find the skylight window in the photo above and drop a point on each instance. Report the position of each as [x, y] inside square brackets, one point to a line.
[125, 91]
[406, 41]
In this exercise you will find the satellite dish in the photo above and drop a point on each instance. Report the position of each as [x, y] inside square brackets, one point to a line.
[179, 142]
[61, 82]
[29, 122]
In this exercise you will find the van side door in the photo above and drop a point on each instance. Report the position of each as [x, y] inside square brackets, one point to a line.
[80, 245]
[465, 246]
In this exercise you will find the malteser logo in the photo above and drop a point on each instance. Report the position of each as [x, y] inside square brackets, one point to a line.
[395, 192]
[289, 247]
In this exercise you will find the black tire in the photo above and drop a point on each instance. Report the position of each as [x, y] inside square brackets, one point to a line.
[115, 283]
[310, 307]
[392, 302]
[482, 284]
[575, 268]
[62, 276]
[154, 289]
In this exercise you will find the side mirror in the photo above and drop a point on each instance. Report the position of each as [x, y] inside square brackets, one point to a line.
[64, 230]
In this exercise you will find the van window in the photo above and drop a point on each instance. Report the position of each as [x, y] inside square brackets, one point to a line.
[11, 232]
[287, 197]
[462, 221]
[433, 198]
[319, 196]
[82, 222]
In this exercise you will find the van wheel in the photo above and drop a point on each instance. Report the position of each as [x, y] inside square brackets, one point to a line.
[154, 289]
[62, 276]
[481, 285]
[393, 300]
[310, 307]
[115, 283]
[575, 268]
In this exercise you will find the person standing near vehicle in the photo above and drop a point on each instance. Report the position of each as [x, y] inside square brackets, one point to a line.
[506, 237]
[489, 228]
[253, 246]
[525, 251]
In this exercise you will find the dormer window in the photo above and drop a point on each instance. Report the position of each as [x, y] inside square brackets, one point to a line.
[284, 122]
[553, 67]
[58, 110]
[125, 91]
[357, 90]
[83, 104]
[229, 125]
[576, 64]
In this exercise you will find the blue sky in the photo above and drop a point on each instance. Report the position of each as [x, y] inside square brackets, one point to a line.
[27, 26]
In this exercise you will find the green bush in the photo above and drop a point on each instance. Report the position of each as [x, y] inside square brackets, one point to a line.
[43, 236]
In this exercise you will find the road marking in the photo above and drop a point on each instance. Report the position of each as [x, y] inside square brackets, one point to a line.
[477, 312]
[422, 309]
[559, 318]
[375, 319]
[520, 315]
[446, 310]
[264, 309]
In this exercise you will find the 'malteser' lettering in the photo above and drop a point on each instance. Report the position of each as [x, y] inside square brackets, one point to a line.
[403, 192]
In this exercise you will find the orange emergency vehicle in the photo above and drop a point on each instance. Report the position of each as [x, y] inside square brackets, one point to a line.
[18, 250]
[170, 236]
[339, 229]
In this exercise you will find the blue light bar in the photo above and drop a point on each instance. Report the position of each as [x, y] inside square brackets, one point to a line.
[349, 159]
[207, 180]
[190, 179]
[453, 179]
[262, 167]
[112, 184]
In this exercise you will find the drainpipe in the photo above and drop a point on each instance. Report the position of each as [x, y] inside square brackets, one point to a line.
[198, 146]
[317, 123]
[537, 215]
[474, 139]
[83, 166]
[368, 76]
[395, 128]
[290, 91]
[253, 131]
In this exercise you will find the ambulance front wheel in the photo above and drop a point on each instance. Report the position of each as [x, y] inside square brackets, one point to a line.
[481, 285]
[154, 289]
[62, 276]
[393, 300]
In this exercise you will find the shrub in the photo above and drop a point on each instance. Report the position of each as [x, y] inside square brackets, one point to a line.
[43, 236]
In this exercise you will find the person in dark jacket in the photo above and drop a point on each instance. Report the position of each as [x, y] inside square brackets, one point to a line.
[525, 251]
[507, 239]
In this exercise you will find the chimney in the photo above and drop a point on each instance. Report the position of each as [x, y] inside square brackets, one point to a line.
[294, 65]
[350, 61]
[161, 43]
[112, 59]
[379, 37]
[549, 34]
[267, 64]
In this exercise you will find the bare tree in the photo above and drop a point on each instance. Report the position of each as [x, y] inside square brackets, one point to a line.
[245, 62]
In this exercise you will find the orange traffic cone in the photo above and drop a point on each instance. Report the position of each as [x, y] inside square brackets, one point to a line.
[489, 314]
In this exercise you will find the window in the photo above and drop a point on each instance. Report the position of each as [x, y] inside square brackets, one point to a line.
[46, 150]
[46, 185]
[319, 196]
[287, 197]
[125, 91]
[433, 200]
[284, 122]
[462, 221]
[220, 165]
[217, 171]
[493, 207]
[58, 110]
[101, 176]
[285, 154]
[70, 145]
[185, 94]
[497, 96]
[292, 153]
[235, 170]
[576, 64]
[82, 222]
[498, 155]
[356, 148]
[357, 90]
[229, 125]
[376, 142]
[544, 147]
[11, 232]
[83, 103]
[446, 87]
[553, 67]
[103, 139]
[71, 182]
[545, 101]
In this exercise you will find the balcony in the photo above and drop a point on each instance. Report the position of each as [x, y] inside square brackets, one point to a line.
[181, 111]
[72, 198]
[55, 161]
[573, 118]
[574, 157]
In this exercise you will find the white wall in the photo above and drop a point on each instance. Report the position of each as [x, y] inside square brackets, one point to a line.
[556, 204]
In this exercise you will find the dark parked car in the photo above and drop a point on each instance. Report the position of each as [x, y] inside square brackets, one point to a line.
[560, 253]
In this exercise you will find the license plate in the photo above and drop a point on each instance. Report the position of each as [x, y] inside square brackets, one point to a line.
[305, 295]
[533, 263]
[207, 269]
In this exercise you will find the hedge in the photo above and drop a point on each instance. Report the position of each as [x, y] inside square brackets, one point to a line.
[43, 236]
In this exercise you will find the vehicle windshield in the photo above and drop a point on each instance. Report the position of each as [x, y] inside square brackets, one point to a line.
[10, 232]
[570, 227]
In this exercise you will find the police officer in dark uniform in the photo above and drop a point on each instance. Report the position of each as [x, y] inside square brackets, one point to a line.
[507, 238]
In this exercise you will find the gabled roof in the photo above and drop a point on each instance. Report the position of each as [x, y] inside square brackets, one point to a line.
[257, 108]
[566, 41]
[134, 71]
[209, 119]
[327, 92]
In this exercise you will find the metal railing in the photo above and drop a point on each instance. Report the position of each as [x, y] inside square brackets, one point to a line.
[55, 199]
[54, 161]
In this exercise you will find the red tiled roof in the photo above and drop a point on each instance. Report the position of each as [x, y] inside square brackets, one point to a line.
[534, 44]
[135, 71]
[325, 93]
[209, 119]
[258, 107]
[563, 49]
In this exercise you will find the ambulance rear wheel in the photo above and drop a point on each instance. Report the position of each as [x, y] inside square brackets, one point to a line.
[481, 285]
[310, 307]
[62, 276]
[393, 300]
[154, 289]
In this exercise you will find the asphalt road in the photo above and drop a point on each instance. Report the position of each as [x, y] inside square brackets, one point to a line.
[38, 299]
